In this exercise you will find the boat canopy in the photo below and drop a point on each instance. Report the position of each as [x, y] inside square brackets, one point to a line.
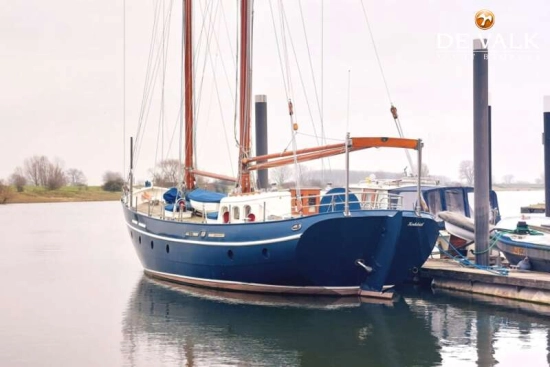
[458, 199]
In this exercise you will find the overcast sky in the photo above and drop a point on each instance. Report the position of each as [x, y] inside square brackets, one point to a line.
[61, 72]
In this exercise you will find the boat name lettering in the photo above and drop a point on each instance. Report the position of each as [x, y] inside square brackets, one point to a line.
[416, 224]
[518, 251]
[216, 235]
[192, 234]
[296, 227]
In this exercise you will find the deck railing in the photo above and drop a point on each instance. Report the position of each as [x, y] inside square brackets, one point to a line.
[154, 206]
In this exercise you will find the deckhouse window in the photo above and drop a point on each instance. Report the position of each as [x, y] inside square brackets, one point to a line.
[236, 213]
[455, 201]
[246, 210]
[434, 201]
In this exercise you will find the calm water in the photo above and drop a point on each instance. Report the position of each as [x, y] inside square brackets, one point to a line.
[73, 294]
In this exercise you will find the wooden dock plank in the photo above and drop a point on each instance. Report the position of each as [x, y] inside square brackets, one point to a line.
[518, 284]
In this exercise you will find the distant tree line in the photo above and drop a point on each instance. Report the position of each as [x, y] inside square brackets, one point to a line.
[466, 174]
[285, 176]
[40, 171]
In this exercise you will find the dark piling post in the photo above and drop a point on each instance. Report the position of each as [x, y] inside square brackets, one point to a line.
[546, 142]
[261, 136]
[490, 128]
[481, 151]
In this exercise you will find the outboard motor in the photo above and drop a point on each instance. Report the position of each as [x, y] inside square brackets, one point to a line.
[522, 228]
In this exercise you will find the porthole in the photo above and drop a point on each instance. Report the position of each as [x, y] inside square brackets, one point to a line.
[152, 245]
[139, 239]
[167, 249]
[230, 254]
[265, 253]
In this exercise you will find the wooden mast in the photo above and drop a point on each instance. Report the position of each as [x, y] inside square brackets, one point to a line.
[189, 177]
[245, 96]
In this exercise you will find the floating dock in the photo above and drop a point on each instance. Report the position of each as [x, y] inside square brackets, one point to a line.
[533, 208]
[521, 285]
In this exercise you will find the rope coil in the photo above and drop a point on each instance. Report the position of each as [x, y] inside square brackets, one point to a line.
[464, 261]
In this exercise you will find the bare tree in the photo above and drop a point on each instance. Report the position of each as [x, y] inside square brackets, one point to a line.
[76, 177]
[55, 176]
[41, 172]
[18, 179]
[508, 179]
[281, 175]
[112, 181]
[167, 172]
[466, 171]
[201, 182]
[308, 177]
[222, 186]
[36, 169]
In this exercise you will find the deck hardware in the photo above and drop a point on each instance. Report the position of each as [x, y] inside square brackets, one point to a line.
[359, 262]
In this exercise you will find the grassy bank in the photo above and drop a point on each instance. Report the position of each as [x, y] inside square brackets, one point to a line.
[33, 194]
[518, 187]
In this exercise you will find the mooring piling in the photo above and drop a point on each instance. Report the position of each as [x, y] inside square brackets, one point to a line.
[481, 151]
[546, 142]
[261, 136]
[490, 128]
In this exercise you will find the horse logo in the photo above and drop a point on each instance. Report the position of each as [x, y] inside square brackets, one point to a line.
[484, 19]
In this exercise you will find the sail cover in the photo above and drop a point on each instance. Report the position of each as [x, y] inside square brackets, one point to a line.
[205, 196]
[171, 195]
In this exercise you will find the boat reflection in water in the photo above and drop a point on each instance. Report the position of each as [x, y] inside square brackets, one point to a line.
[174, 324]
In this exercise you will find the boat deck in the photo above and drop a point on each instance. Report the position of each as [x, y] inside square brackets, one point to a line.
[523, 285]
[157, 211]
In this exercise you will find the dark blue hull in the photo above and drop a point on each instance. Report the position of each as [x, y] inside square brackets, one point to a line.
[414, 245]
[313, 254]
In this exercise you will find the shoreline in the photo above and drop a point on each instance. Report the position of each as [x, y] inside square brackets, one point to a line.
[498, 188]
[57, 200]
[36, 195]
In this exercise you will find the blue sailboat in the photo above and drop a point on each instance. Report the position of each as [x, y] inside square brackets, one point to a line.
[284, 241]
